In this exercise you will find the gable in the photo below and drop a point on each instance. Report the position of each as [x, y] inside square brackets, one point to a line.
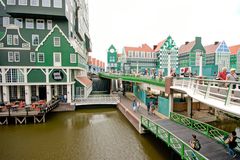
[223, 48]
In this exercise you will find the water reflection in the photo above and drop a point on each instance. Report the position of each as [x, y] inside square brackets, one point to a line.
[96, 134]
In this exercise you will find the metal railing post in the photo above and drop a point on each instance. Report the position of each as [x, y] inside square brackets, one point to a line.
[182, 151]
[208, 90]
[196, 88]
[169, 139]
[229, 94]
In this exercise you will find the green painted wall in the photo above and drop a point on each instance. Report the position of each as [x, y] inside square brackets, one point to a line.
[36, 76]
[163, 106]
[48, 49]
[233, 61]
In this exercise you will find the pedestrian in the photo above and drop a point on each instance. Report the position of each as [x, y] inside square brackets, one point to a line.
[222, 76]
[138, 105]
[153, 108]
[231, 144]
[65, 98]
[134, 105]
[232, 76]
[148, 106]
[194, 143]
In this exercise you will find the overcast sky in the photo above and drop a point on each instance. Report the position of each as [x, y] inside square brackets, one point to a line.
[134, 22]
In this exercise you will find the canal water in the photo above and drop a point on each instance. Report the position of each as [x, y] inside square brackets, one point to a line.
[93, 134]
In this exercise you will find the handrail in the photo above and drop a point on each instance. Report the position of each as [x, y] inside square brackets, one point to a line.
[133, 78]
[182, 148]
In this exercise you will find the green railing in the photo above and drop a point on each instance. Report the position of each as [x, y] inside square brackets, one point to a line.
[133, 78]
[201, 127]
[182, 148]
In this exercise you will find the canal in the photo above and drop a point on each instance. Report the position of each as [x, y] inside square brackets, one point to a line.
[93, 134]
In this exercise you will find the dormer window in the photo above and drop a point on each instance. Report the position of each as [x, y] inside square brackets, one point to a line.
[34, 2]
[11, 2]
[18, 22]
[40, 24]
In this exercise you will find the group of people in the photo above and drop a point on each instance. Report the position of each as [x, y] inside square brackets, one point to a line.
[136, 105]
[231, 76]
[230, 142]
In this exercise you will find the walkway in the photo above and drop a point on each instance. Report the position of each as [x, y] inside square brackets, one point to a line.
[211, 149]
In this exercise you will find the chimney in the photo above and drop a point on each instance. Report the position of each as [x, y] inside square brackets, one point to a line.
[198, 40]
[216, 42]
[154, 47]
[186, 43]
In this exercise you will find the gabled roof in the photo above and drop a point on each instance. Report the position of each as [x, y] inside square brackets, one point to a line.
[55, 27]
[144, 48]
[84, 81]
[234, 49]
[2, 3]
[159, 45]
[187, 47]
[212, 47]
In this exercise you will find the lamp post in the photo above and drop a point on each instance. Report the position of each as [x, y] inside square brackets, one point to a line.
[200, 65]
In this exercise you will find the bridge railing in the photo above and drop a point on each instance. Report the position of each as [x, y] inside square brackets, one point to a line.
[201, 127]
[98, 99]
[226, 91]
[182, 148]
[133, 78]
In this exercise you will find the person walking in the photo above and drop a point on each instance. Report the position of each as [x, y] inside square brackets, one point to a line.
[148, 107]
[194, 143]
[231, 144]
[138, 105]
[134, 105]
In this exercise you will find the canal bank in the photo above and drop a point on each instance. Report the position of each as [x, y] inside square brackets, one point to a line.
[86, 134]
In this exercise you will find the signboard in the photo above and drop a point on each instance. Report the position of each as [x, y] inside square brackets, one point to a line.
[57, 75]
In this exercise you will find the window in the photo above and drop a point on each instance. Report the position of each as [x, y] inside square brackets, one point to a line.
[6, 21]
[72, 58]
[15, 40]
[32, 57]
[40, 24]
[57, 3]
[29, 23]
[22, 2]
[56, 41]
[41, 57]
[9, 39]
[11, 2]
[35, 39]
[34, 2]
[49, 24]
[16, 56]
[10, 56]
[57, 59]
[46, 3]
[18, 22]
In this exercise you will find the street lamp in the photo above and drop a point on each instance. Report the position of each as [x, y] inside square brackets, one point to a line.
[200, 65]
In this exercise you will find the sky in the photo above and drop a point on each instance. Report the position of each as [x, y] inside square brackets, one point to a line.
[134, 22]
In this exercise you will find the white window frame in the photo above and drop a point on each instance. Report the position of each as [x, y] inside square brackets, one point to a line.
[57, 3]
[18, 22]
[41, 53]
[73, 58]
[9, 39]
[55, 40]
[54, 59]
[46, 3]
[33, 37]
[15, 56]
[34, 55]
[37, 24]
[6, 21]
[22, 2]
[10, 56]
[49, 24]
[34, 2]
[11, 2]
[29, 25]
[17, 40]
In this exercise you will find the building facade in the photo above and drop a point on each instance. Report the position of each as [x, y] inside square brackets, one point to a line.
[138, 59]
[235, 57]
[95, 66]
[112, 59]
[217, 57]
[166, 49]
[44, 48]
[189, 56]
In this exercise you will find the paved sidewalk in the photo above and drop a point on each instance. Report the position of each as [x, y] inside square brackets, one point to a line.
[127, 102]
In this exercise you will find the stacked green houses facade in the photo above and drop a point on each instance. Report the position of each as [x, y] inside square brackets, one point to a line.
[44, 46]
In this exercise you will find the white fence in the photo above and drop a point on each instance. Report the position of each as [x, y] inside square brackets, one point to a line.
[97, 99]
[226, 91]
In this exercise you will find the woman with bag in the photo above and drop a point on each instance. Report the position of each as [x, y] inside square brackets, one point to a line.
[231, 143]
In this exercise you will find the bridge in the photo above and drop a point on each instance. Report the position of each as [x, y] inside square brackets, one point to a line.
[97, 100]
[223, 95]
[177, 131]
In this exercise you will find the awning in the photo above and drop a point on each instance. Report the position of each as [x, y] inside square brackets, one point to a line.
[84, 81]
